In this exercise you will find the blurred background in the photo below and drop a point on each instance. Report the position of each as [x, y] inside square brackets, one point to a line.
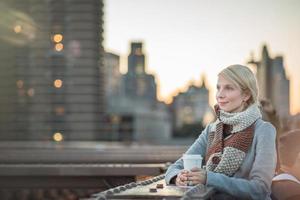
[99, 93]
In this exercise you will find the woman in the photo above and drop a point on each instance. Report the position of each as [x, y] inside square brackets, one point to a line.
[239, 147]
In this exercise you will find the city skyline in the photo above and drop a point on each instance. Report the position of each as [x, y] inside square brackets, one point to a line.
[199, 37]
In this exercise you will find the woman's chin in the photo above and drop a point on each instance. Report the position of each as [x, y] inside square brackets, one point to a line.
[224, 108]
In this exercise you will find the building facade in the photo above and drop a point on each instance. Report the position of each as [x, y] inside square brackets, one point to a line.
[273, 82]
[51, 70]
[192, 106]
[134, 110]
[113, 76]
[138, 83]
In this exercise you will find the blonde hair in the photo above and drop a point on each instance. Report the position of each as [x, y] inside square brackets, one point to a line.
[244, 78]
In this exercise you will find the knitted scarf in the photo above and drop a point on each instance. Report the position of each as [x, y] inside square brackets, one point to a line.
[225, 155]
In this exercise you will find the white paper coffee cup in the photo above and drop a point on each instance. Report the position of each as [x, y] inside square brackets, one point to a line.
[192, 160]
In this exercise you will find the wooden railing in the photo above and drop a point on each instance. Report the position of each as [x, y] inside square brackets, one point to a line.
[85, 167]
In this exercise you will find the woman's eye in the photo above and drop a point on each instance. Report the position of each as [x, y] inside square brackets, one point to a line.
[229, 88]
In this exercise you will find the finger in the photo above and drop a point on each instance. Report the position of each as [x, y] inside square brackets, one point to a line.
[182, 183]
[197, 174]
[184, 171]
[183, 176]
[179, 182]
[199, 177]
[184, 179]
[180, 177]
[194, 178]
[198, 171]
[195, 169]
[191, 174]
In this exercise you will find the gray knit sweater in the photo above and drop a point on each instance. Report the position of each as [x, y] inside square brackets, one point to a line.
[253, 179]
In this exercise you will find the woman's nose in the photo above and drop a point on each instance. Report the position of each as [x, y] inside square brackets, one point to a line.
[220, 94]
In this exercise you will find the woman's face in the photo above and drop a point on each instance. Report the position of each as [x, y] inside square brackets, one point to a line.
[230, 97]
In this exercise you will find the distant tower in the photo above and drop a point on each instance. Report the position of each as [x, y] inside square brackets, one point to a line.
[136, 59]
[272, 81]
[52, 72]
[204, 90]
[139, 84]
[264, 73]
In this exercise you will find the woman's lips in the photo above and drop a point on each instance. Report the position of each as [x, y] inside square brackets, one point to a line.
[222, 103]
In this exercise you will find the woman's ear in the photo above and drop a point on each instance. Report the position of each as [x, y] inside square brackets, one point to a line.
[246, 96]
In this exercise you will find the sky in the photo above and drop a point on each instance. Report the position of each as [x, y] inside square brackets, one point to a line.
[184, 39]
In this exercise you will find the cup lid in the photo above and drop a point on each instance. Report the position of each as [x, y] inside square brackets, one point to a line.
[192, 156]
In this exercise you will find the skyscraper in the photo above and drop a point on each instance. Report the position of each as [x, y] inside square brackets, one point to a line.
[273, 82]
[139, 84]
[51, 70]
[113, 75]
[131, 100]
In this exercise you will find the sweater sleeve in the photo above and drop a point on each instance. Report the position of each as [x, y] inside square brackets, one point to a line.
[198, 147]
[258, 183]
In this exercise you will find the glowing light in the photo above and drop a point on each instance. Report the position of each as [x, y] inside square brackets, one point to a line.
[20, 84]
[59, 47]
[58, 83]
[59, 110]
[18, 29]
[57, 38]
[30, 92]
[58, 137]
[115, 119]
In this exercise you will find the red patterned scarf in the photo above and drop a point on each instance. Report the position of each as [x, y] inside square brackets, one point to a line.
[225, 155]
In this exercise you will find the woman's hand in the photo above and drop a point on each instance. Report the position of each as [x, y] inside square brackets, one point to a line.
[181, 179]
[196, 176]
